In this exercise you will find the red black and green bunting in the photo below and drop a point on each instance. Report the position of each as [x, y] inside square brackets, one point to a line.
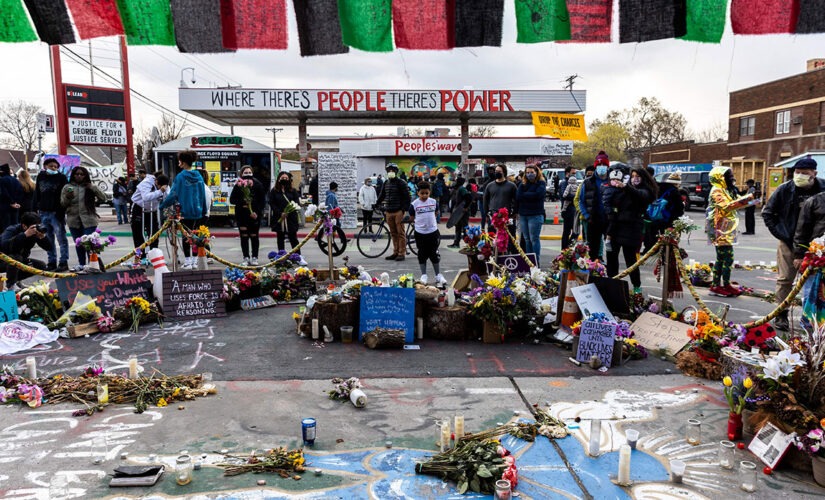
[706, 20]
[748, 17]
[424, 24]
[197, 26]
[254, 24]
[14, 24]
[147, 22]
[319, 32]
[95, 18]
[542, 21]
[590, 20]
[51, 20]
[478, 23]
[811, 17]
[366, 24]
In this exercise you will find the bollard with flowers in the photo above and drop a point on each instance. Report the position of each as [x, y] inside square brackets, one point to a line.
[94, 246]
[199, 239]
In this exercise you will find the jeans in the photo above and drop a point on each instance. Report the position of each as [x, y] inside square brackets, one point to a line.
[120, 209]
[54, 227]
[786, 271]
[531, 230]
[77, 232]
[568, 217]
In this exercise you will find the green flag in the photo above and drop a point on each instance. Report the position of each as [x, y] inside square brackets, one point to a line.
[147, 22]
[542, 21]
[706, 20]
[366, 24]
[14, 23]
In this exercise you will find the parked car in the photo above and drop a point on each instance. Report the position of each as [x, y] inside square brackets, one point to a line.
[550, 175]
[695, 188]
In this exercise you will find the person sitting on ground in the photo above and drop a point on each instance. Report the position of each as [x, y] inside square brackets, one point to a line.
[17, 242]
[427, 236]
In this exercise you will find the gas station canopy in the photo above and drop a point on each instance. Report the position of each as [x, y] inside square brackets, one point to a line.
[260, 107]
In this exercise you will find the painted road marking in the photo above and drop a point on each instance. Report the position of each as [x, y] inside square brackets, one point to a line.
[490, 390]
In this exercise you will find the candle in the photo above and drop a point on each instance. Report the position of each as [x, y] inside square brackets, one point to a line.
[677, 470]
[624, 465]
[102, 393]
[133, 367]
[595, 437]
[450, 297]
[693, 433]
[314, 329]
[327, 334]
[459, 427]
[727, 452]
[445, 435]
[747, 476]
[419, 328]
[31, 367]
[632, 436]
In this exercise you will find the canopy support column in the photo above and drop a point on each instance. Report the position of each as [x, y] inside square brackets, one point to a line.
[465, 143]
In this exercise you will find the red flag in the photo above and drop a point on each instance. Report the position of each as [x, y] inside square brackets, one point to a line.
[590, 20]
[424, 24]
[254, 24]
[94, 18]
[748, 17]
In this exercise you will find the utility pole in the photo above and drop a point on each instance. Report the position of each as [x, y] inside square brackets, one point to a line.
[274, 136]
[570, 79]
[91, 64]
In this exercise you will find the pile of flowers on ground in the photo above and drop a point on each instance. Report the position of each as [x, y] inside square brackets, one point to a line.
[288, 263]
[343, 388]
[138, 311]
[473, 465]
[286, 463]
[700, 274]
[39, 303]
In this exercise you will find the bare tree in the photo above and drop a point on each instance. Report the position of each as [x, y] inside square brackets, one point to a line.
[649, 124]
[483, 131]
[169, 129]
[18, 125]
[714, 132]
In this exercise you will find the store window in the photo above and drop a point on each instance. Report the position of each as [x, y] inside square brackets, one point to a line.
[747, 126]
[783, 122]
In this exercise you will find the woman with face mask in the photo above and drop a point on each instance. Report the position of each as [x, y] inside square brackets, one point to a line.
[248, 214]
[79, 198]
[721, 224]
[530, 199]
[285, 226]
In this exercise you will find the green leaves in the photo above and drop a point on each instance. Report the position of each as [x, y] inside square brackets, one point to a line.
[483, 472]
[462, 487]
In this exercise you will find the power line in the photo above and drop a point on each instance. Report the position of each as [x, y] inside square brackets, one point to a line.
[211, 69]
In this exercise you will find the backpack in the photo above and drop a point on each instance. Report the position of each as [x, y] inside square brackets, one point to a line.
[659, 210]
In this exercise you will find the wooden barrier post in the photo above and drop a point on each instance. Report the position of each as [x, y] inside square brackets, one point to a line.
[329, 254]
[665, 276]
[560, 298]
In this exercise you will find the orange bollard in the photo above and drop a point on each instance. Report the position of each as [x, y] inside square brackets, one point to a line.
[570, 312]
[556, 216]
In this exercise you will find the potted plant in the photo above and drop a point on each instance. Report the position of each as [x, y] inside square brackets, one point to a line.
[736, 402]
[479, 248]
[813, 443]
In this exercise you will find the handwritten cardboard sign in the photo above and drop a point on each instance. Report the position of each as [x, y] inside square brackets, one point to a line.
[8, 306]
[514, 264]
[596, 339]
[340, 168]
[590, 301]
[108, 289]
[652, 330]
[387, 308]
[193, 295]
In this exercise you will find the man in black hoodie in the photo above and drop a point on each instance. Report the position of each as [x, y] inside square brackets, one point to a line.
[396, 195]
[46, 201]
[17, 242]
[11, 194]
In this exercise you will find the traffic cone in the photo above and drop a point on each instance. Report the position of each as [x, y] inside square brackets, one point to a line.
[570, 312]
[556, 216]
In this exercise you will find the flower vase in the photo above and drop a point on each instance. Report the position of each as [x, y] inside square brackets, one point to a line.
[818, 464]
[202, 264]
[492, 332]
[95, 264]
[734, 426]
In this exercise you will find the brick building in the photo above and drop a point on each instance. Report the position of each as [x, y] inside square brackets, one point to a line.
[768, 123]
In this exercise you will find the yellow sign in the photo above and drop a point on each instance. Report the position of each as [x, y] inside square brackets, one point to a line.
[567, 127]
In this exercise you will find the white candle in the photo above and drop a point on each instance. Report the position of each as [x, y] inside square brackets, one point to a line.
[314, 329]
[450, 297]
[327, 334]
[459, 427]
[31, 367]
[133, 367]
[624, 465]
[445, 435]
[595, 437]
[358, 398]
[419, 328]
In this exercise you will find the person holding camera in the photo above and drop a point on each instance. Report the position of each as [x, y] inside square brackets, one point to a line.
[17, 242]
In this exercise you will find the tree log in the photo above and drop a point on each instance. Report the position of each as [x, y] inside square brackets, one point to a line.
[334, 315]
[446, 323]
[384, 338]
[425, 299]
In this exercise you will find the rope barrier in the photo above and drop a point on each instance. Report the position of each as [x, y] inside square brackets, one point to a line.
[639, 262]
[141, 247]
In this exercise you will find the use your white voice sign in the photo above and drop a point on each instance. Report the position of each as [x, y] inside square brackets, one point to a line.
[97, 132]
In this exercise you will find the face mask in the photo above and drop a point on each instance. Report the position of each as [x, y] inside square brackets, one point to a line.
[636, 181]
[531, 177]
[248, 176]
[284, 181]
[390, 175]
[50, 171]
[601, 170]
[499, 175]
[802, 180]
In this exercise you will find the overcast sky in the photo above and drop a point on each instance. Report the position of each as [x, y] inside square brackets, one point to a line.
[688, 77]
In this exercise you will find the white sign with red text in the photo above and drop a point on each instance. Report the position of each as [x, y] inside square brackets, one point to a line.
[451, 146]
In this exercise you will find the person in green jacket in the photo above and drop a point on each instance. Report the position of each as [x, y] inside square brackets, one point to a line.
[79, 199]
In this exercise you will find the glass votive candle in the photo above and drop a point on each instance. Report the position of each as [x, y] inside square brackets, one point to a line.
[727, 449]
[632, 436]
[677, 470]
[747, 476]
[502, 489]
[183, 470]
[102, 390]
[693, 434]
[438, 433]
[595, 437]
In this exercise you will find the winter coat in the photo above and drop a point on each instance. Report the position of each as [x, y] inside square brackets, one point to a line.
[530, 198]
[631, 205]
[590, 198]
[278, 200]
[77, 213]
[331, 200]
[187, 190]
[395, 194]
[47, 189]
[14, 242]
[257, 195]
[782, 210]
[811, 224]
[721, 219]
[367, 197]
[11, 192]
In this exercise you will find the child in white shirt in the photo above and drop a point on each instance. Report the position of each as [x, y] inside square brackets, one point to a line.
[427, 237]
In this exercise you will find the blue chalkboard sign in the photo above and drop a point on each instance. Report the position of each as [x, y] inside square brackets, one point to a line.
[387, 307]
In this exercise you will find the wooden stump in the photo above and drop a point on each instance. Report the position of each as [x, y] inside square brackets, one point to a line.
[335, 315]
[425, 299]
[384, 338]
[446, 323]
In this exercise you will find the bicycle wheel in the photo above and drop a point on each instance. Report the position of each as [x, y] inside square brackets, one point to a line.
[373, 245]
[339, 242]
[411, 239]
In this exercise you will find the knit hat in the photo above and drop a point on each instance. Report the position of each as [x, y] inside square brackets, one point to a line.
[5, 169]
[806, 162]
[674, 178]
[601, 159]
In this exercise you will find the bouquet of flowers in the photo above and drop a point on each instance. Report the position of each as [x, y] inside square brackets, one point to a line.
[84, 309]
[700, 274]
[290, 207]
[342, 388]
[815, 256]
[473, 465]
[200, 237]
[735, 395]
[706, 336]
[92, 243]
[245, 187]
[496, 300]
[813, 442]
[575, 258]
[499, 221]
[478, 241]
[138, 310]
[39, 303]
[243, 279]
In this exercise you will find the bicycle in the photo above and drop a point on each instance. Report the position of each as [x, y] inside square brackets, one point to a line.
[339, 241]
[375, 244]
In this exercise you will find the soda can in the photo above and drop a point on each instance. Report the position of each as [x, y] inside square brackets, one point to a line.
[308, 431]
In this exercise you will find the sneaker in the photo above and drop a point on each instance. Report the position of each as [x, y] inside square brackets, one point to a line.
[607, 246]
[719, 291]
[391, 257]
[188, 263]
[245, 261]
[51, 266]
[440, 280]
[253, 261]
[399, 258]
[210, 260]
[78, 268]
[454, 245]
[63, 267]
[734, 291]
[424, 279]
